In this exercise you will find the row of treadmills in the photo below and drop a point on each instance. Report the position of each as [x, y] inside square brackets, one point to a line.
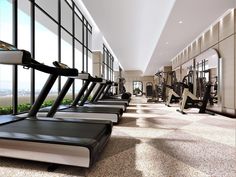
[74, 134]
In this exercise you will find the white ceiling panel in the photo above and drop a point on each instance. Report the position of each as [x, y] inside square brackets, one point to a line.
[131, 27]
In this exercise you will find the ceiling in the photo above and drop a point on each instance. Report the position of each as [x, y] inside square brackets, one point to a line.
[146, 34]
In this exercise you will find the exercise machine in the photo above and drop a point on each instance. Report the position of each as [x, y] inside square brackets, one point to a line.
[189, 100]
[57, 141]
[176, 88]
[77, 109]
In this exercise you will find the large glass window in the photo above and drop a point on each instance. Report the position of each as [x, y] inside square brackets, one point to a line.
[78, 65]
[78, 28]
[5, 70]
[66, 57]
[66, 15]
[108, 64]
[46, 50]
[53, 41]
[24, 41]
[90, 63]
[47, 6]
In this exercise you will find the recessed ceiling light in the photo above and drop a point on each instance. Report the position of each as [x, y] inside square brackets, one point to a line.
[167, 43]
[180, 22]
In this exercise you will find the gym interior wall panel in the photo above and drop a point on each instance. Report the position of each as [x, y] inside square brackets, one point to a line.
[97, 63]
[226, 49]
[181, 55]
[196, 48]
[173, 62]
[190, 50]
[203, 42]
[226, 26]
[178, 61]
[235, 20]
[214, 35]
[185, 55]
[216, 47]
[210, 38]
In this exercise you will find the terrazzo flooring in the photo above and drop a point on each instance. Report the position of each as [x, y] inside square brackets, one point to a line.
[153, 140]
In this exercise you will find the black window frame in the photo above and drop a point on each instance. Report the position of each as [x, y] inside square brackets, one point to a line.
[108, 64]
[86, 28]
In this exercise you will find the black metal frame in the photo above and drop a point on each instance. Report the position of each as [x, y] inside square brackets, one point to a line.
[86, 30]
[108, 63]
[15, 68]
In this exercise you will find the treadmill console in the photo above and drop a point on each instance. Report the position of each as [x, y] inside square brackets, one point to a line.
[84, 76]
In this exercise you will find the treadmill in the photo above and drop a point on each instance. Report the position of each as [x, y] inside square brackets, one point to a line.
[98, 94]
[76, 109]
[113, 99]
[57, 141]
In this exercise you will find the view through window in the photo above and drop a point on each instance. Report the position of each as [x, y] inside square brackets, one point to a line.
[55, 39]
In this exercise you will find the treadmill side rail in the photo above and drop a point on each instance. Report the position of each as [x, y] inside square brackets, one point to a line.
[44, 152]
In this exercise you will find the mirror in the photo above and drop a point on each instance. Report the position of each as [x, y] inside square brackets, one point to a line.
[207, 70]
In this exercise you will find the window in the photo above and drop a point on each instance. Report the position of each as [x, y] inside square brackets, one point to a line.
[66, 57]
[78, 28]
[78, 65]
[66, 16]
[108, 64]
[78, 56]
[5, 70]
[90, 63]
[53, 41]
[47, 6]
[24, 40]
[46, 51]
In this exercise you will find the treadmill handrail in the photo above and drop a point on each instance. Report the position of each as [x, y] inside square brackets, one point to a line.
[87, 76]
[52, 70]
[13, 56]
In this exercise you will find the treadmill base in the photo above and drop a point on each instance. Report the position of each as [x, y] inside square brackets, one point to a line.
[51, 153]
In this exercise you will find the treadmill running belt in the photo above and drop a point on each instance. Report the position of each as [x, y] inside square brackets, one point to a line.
[92, 110]
[4, 119]
[59, 132]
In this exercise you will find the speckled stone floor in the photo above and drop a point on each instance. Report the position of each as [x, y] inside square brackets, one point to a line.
[154, 141]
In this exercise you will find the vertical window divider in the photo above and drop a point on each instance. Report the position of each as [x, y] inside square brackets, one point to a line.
[73, 46]
[59, 41]
[83, 43]
[87, 46]
[32, 32]
[15, 68]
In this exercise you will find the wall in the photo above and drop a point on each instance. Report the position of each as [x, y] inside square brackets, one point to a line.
[97, 63]
[222, 37]
[135, 75]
